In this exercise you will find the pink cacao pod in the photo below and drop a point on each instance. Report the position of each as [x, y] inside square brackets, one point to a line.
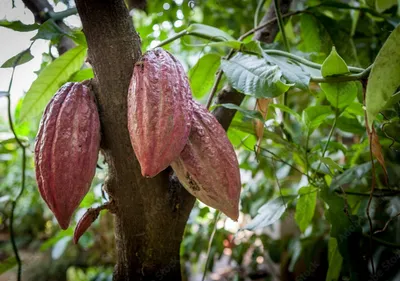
[159, 111]
[208, 167]
[84, 223]
[66, 150]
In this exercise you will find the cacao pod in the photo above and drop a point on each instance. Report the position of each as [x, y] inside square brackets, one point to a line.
[66, 150]
[159, 111]
[208, 167]
[84, 223]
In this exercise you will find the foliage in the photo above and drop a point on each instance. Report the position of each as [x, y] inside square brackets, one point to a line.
[314, 200]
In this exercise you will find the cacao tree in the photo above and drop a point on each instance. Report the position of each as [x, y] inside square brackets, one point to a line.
[306, 95]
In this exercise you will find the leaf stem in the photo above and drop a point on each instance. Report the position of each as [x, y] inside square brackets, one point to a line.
[216, 217]
[281, 24]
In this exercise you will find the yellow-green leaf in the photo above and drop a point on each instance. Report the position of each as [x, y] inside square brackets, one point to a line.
[384, 78]
[334, 65]
[49, 80]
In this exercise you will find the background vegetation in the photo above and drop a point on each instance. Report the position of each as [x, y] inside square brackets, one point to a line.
[315, 205]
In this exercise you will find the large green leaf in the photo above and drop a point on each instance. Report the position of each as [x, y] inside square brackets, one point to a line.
[252, 76]
[305, 206]
[310, 33]
[291, 71]
[335, 260]
[18, 59]
[209, 32]
[384, 78]
[49, 80]
[202, 75]
[340, 94]
[18, 26]
[80, 75]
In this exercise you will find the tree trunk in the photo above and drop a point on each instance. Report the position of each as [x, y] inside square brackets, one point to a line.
[150, 217]
[150, 214]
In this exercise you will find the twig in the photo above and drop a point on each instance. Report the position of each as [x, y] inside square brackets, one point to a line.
[387, 223]
[281, 25]
[258, 10]
[23, 168]
[310, 63]
[63, 14]
[216, 217]
[366, 194]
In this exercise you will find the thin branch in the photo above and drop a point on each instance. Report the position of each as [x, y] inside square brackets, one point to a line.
[260, 5]
[310, 63]
[173, 38]
[281, 25]
[63, 14]
[354, 77]
[23, 168]
[252, 31]
[355, 193]
[216, 217]
[387, 224]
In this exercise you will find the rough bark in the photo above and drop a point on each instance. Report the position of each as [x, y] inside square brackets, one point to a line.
[268, 34]
[149, 222]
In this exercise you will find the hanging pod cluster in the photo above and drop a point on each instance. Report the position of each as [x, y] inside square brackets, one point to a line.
[167, 127]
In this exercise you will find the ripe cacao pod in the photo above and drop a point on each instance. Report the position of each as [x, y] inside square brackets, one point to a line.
[84, 223]
[66, 150]
[207, 166]
[159, 111]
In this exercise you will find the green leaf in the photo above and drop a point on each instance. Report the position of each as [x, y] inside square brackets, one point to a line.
[208, 32]
[340, 94]
[252, 76]
[269, 213]
[251, 114]
[349, 175]
[49, 30]
[18, 59]
[330, 163]
[49, 80]
[384, 78]
[78, 37]
[305, 206]
[393, 100]
[292, 72]
[7, 264]
[335, 260]
[310, 33]
[81, 75]
[383, 5]
[18, 26]
[202, 75]
[334, 65]
[314, 116]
